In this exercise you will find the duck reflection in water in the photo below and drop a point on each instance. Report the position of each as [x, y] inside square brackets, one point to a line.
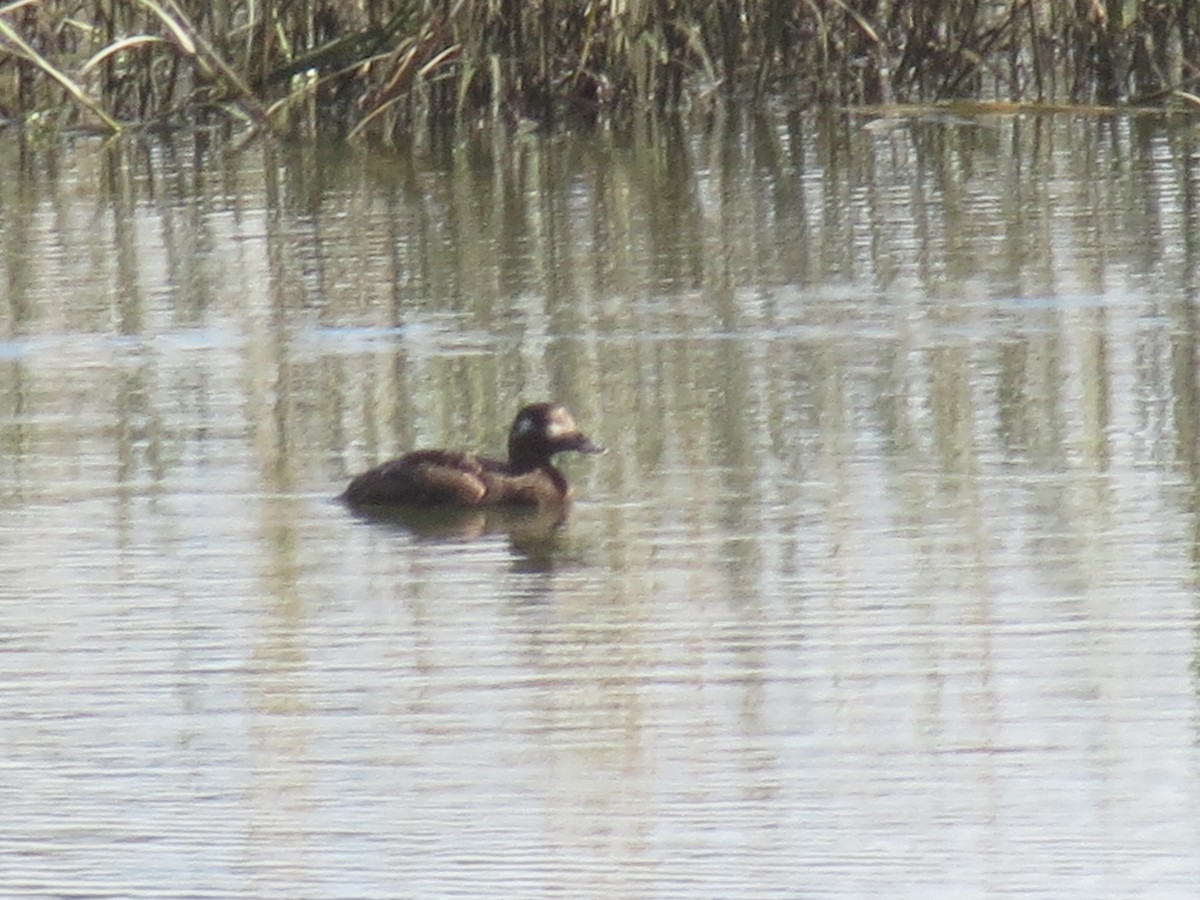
[457, 493]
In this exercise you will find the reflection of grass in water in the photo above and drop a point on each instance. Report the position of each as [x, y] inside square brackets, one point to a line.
[298, 66]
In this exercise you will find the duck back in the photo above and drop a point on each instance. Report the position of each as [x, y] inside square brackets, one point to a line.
[425, 477]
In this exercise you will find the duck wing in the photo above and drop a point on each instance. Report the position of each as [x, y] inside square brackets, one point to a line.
[424, 477]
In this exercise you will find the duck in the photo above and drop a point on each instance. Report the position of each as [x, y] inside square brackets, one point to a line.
[462, 480]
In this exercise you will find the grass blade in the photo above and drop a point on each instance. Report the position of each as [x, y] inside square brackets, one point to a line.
[8, 33]
[117, 47]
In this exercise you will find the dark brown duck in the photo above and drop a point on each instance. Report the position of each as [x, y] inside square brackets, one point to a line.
[459, 479]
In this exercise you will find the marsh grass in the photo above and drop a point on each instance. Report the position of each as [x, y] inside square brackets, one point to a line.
[385, 70]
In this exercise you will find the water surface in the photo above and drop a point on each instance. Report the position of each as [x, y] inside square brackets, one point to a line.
[887, 585]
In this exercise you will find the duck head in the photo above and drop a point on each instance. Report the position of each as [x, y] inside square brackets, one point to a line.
[541, 430]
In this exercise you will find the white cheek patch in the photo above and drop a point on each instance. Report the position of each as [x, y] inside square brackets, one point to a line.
[559, 427]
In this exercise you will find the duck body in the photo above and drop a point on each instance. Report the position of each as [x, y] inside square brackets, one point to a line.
[452, 478]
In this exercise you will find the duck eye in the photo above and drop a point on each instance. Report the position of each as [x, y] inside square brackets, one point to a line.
[524, 425]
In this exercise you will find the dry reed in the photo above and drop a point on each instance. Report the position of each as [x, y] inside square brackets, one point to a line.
[387, 68]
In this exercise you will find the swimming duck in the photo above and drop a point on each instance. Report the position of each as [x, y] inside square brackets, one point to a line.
[459, 479]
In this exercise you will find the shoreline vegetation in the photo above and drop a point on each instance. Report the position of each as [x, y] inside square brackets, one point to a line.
[386, 69]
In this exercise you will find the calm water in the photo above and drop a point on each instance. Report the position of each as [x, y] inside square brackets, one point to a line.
[888, 585]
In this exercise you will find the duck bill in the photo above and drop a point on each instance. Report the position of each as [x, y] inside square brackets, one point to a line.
[583, 444]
